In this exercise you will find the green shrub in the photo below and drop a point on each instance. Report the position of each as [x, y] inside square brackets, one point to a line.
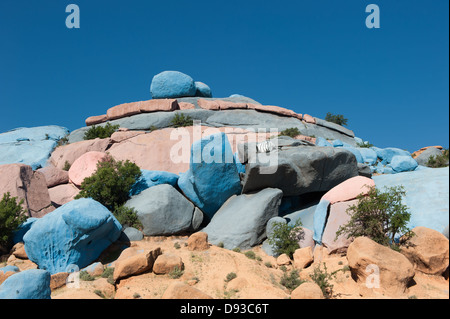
[181, 120]
[322, 279]
[127, 217]
[379, 215]
[338, 119]
[439, 160]
[85, 276]
[230, 277]
[250, 254]
[108, 273]
[291, 280]
[111, 183]
[66, 166]
[100, 131]
[365, 145]
[291, 132]
[176, 273]
[285, 237]
[237, 249]
[12, 215]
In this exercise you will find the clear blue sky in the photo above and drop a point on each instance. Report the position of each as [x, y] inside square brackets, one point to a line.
[310, 56]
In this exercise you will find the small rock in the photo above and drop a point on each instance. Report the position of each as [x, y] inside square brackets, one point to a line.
[166, 263]
[283, 260]
[303, 257]
[136, 264]
[307, 290]
[198, 241]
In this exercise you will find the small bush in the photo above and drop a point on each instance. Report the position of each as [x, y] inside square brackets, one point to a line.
[111, 183]
[381, 216]
[230, 277]
[439, 160]
[85, 276]
[108, 273]
[291, 280]
[66, 166]
[250, 254]
[338, 119]
[177, 245]
[322, 279]
[365, 145]
[176, 273]
[127, 217]
[12, 216]
[237, 249]
[181, 120]
[100, 131]
[291, 132]
[285, 237]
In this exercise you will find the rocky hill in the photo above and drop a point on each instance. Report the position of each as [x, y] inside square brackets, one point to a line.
[217, 175]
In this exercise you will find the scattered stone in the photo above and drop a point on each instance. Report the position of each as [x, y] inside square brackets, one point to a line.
[136, 264]
[198, 241]
[167, 263]
[303, 257]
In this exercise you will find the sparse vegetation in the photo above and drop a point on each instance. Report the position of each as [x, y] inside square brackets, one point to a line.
[291, 280]
[285, 237]
[380, 215]
[108, 273]
[85, 276]
[250, 254]
[439, 160]
[365, 145]
[111, 183]
[176, 273]
[336, 118]
[100, 131]
[181, 120]
[291, 132]
[12, 215]
[230, 277]
[66, 166]
[177, 245]
[127, 217]
[322, 279]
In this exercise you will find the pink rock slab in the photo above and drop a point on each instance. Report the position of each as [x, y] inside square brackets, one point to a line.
[349, 189]
[85, 166]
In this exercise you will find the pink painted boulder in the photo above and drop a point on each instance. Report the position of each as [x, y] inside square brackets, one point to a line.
[337, 217]
[21, 182]
[226, 105]
[54, 175]
[272, 109]
[97, 119]
[69, 153]
[123, 110]
[62, 194]
[186, 106]
[349, 189]
[208, 104]
[85, 166]
[309, 119]
[158, 105]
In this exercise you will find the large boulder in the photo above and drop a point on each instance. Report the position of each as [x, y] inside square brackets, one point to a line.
[428, 250]
[85, 166]
[202, 90]
[172, 84]
[73, 234]
[31, 187]
[162, 210]
[427, 193]
[30, 146]
[135, 264]
[28, 284]
[241, 221]
[424, 156]
[153, 178]
[403, 163]
[212, 177]
[299, 170]
[366, 259]
[67, 154]
[349, 189]
[54, 176]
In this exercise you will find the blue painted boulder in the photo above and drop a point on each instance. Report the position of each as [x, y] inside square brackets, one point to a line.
[213, 176]
[28, 284]
[320, 141]
[356, 152]
[202, 90]
[30, 146]
[172, 84]
[153, 178]
[427, 193]
[369, 156]
[320, 220]
[74, 234]
[403, 163]
[386, 154]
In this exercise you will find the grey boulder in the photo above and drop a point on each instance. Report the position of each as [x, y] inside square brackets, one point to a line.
[241, 221]
[162, 210]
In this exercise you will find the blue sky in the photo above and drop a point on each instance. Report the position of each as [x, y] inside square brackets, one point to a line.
[310, 56]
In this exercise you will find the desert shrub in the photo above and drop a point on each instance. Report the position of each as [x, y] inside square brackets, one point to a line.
[336, 118]
[380, 215]
[181, 120]
[100, 131]
[322, 279]
[127, 216]
[230, 277]
[291, 132]
[176, 273]
[439, 160]
[12, 216]
[111, 183]
[291, 280]
[66, 166]
[85, 276]
[250, 254]
[284, 238]
[365, 145]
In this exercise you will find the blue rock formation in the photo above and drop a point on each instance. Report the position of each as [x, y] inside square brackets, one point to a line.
[172, 84]
[153, 178]
[74, 234]
[203, 90]
[28, 284]
[213, 176]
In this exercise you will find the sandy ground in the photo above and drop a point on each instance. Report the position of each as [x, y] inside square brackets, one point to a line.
[255, 278]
